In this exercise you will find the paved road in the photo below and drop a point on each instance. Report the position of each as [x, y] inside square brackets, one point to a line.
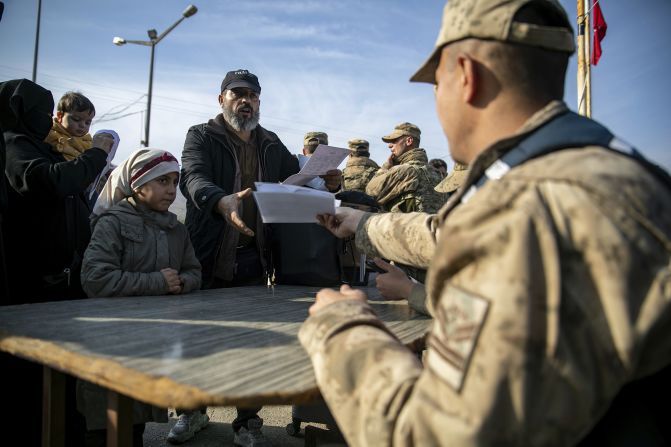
[219, 432]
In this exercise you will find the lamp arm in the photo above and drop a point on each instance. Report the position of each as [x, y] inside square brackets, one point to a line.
[147, 43]
[165, 33]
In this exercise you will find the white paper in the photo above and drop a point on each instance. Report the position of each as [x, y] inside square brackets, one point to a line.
[324, 159]
[279, 203]
[108, 164]
[316, 182]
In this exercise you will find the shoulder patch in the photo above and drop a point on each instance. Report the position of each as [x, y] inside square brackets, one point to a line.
[459, 318]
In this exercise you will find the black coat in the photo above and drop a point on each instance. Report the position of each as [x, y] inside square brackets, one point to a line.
[48, 217]
[208, 174]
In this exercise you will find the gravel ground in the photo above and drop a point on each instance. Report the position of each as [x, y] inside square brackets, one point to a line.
[219, 432]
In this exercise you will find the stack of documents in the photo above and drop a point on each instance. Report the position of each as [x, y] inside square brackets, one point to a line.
[280, 203]
[291, 203]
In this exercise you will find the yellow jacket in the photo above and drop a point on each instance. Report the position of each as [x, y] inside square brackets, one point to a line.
[71, 147]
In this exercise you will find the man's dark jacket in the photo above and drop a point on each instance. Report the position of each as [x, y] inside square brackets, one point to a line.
[209, 169]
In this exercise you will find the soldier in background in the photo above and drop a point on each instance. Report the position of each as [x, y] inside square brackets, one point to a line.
[313, 139]
[360, 168]
[548, 271]
[439, 165]
[310, 142]
[405, 182]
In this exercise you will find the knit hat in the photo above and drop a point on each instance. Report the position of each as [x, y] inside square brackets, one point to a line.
[141, 167]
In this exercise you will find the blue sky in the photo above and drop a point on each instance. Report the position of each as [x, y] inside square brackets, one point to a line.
[337, 66]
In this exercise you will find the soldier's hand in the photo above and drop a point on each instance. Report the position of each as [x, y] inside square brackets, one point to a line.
[330, 296]
[228, 207]
[172, 279]
[333, 179]
[393, 285]
[344, 223]
[103, 141]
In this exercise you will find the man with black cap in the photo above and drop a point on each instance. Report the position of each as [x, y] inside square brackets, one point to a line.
[360, 168]
[405, 182]
[220, 163]
[549, 270]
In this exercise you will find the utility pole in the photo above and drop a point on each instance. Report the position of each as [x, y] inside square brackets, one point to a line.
[37, 39]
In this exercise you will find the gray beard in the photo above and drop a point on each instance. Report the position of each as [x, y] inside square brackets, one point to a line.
[237, 122]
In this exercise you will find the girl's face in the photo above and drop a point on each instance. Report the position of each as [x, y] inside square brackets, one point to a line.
[158, 194]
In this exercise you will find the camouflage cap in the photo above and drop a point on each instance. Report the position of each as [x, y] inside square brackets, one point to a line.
[359, 145]
[315, 137]
[493, 20]
[400, 130]
[454, 180]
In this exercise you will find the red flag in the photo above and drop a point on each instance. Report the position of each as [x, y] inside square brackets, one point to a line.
[600, 27]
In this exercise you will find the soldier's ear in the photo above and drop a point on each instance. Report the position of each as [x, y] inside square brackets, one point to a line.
[468, 77]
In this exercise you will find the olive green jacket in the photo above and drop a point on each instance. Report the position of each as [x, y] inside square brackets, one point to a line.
[128, 249]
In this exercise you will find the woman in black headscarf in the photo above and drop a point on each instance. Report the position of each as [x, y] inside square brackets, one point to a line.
[46, 227]
[46, 230]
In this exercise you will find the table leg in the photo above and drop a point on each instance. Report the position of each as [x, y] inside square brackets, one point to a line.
[53, 408]
[119, 420]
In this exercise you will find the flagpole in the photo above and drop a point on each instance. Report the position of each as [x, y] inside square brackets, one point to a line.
[588, 60]
[583, 62]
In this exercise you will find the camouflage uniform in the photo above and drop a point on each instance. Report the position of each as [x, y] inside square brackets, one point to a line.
[407, 186]
[360, 168]
[517, 289]
[550, 289]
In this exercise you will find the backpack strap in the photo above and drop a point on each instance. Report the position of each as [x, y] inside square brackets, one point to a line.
[568, 130]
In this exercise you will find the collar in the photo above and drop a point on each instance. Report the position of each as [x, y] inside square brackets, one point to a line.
[413, 155]
[487, 157]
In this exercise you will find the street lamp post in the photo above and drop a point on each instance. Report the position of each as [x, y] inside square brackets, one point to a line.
[154, 39]
[37, 39]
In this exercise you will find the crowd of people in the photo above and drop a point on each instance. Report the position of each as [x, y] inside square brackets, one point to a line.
[107, 230]
[544, 257]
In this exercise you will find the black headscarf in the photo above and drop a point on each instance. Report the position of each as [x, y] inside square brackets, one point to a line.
[26, 108]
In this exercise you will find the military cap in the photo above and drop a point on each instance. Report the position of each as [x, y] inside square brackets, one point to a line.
[315, 137]
[408, 129]
[454, 180]
[241, 78]
[358, 145]
[493, 20]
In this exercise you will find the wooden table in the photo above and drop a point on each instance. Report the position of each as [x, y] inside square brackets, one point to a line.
[234, 346]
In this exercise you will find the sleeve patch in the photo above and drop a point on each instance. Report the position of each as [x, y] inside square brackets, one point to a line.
[460, 316]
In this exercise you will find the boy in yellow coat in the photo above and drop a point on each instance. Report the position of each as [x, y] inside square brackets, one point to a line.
[70, 132]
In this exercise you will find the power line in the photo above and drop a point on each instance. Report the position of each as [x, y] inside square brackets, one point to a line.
[347, 132]
[110, 111]
[118, 117]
